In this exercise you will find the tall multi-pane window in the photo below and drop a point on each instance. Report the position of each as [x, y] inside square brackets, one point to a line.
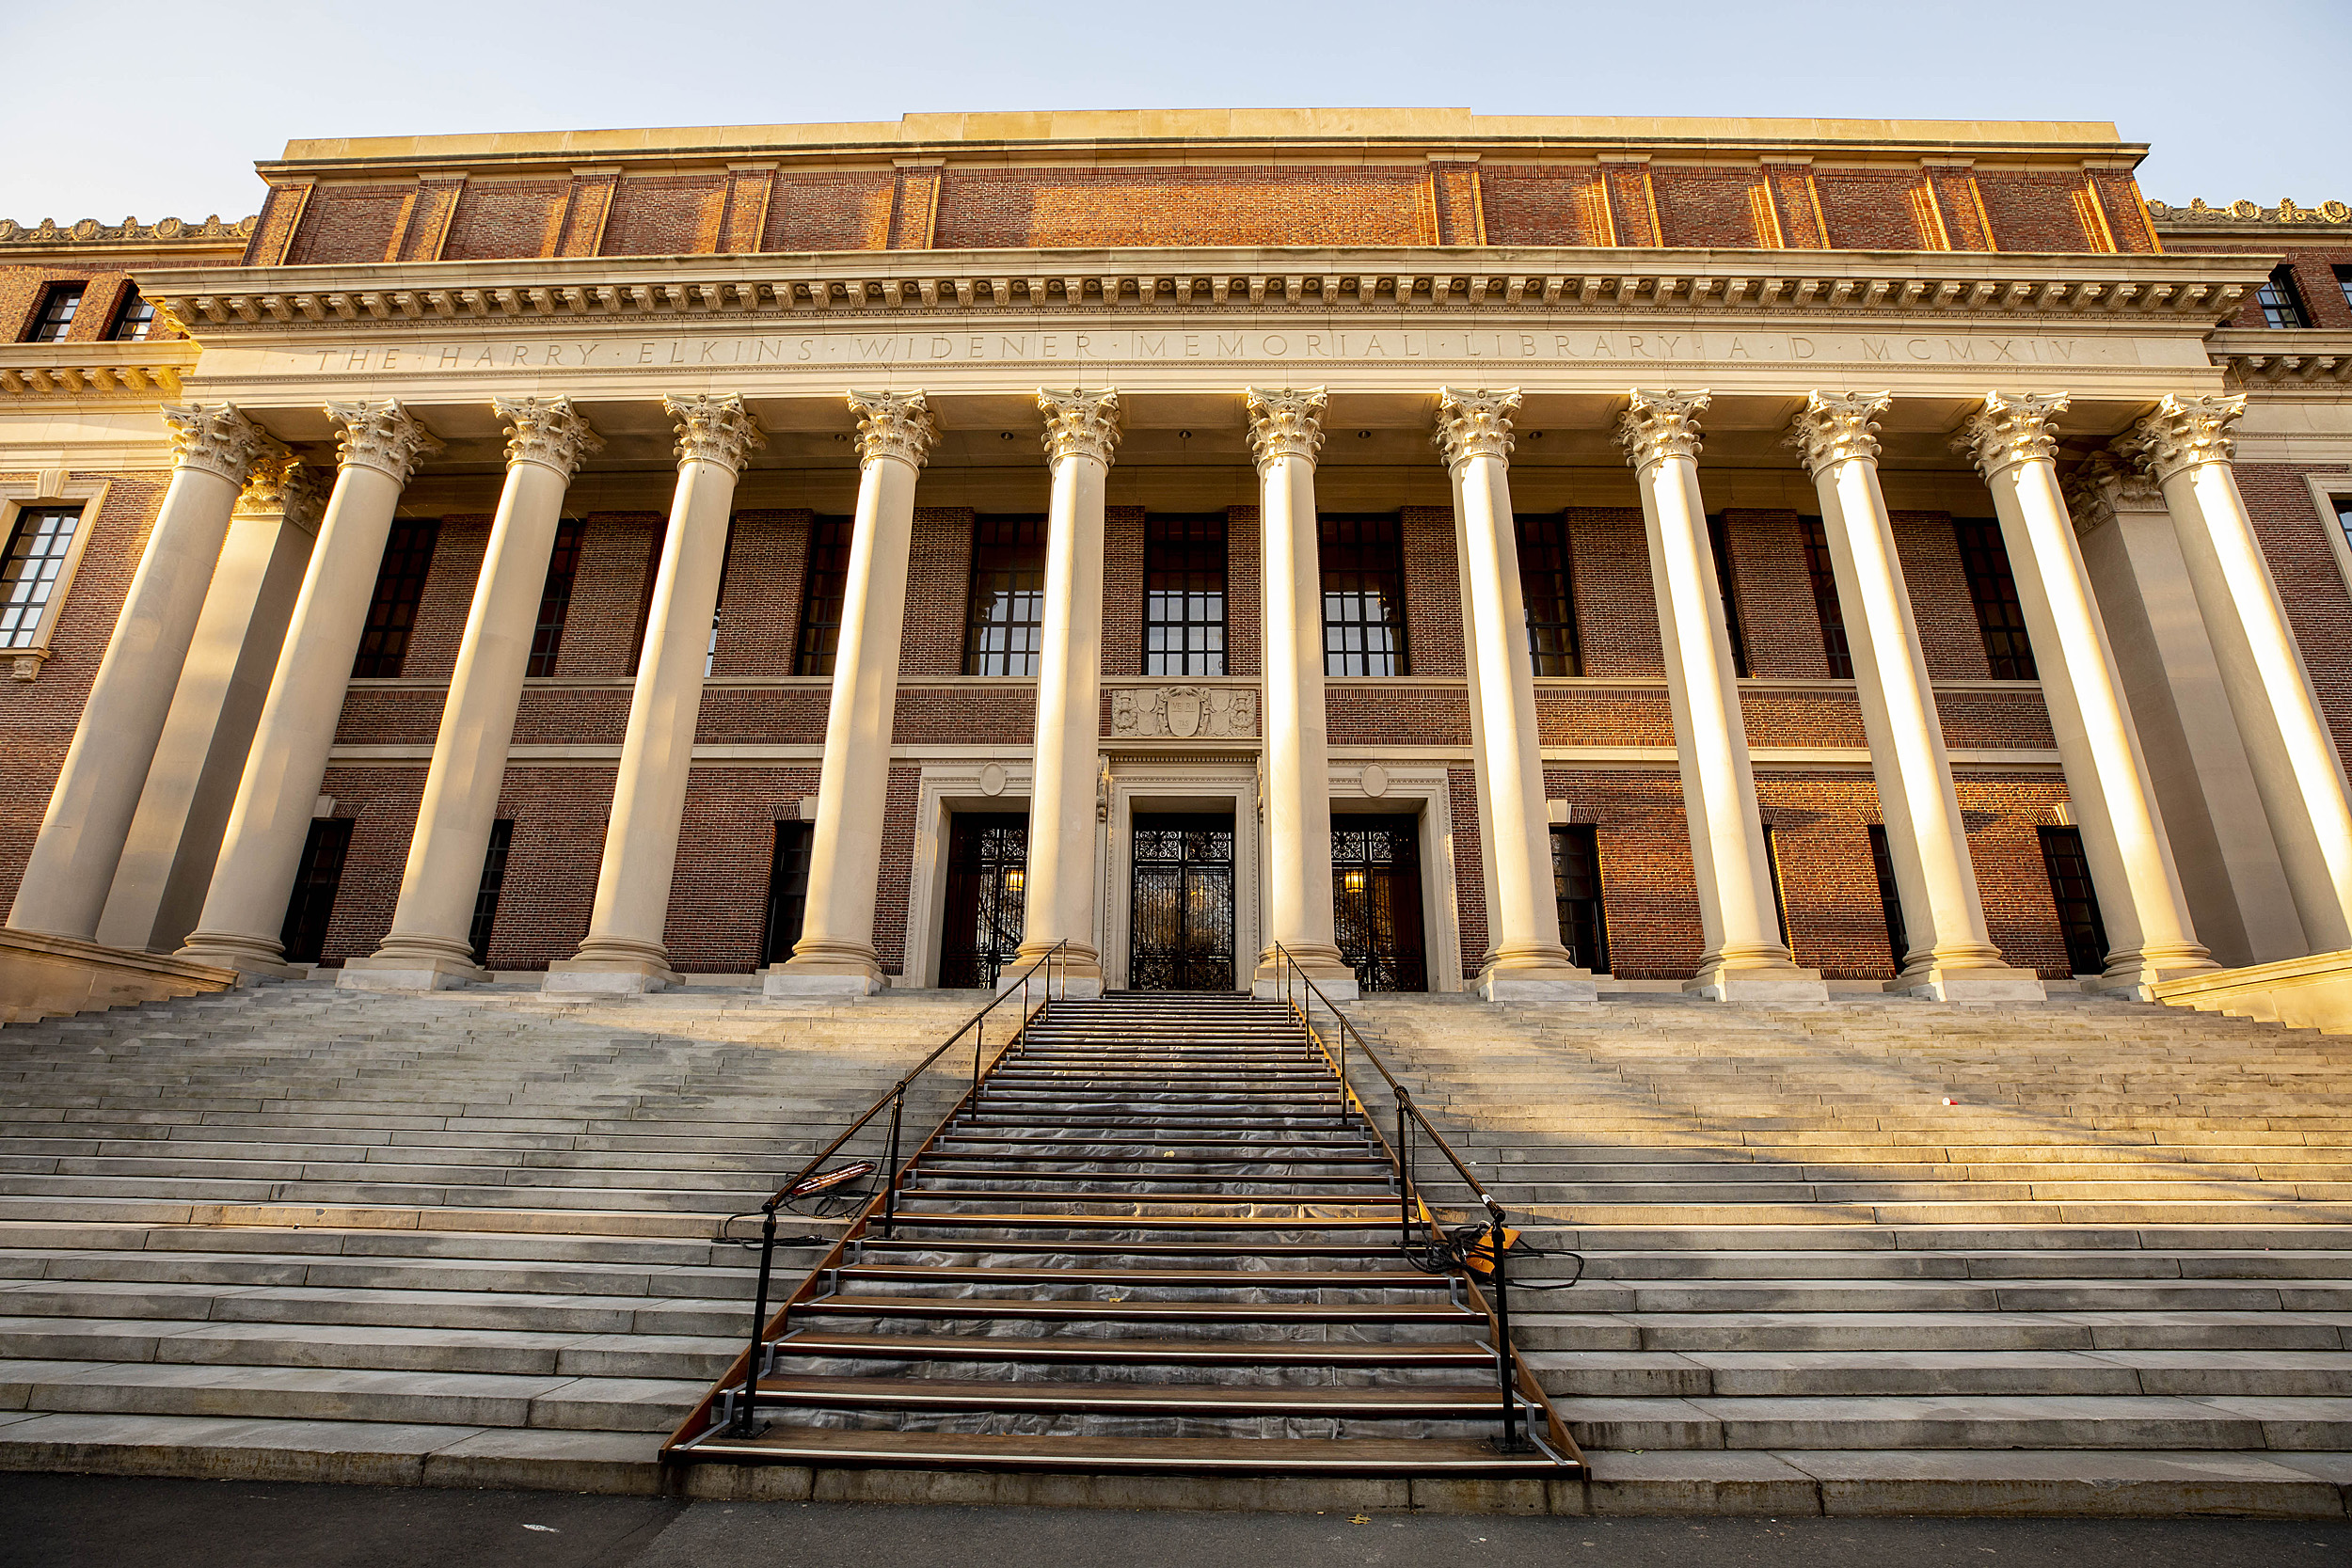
[1993, 588]
[36, 551]
[485, 897]
[135, 319]
[1363, 596]
[1833, 615]
[555, 599]
[59, 307]
[1548, 583]
[2281, 300]
[821, 600]
[1719, 542]
[1006, 628]
[1184, 596]
[399, 584]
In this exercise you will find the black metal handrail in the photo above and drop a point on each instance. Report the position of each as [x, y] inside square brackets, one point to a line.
[892, 1170]
[1509, 1372]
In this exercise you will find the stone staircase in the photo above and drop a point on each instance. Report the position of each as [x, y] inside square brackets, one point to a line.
[2087, 1256]
[1155, 1242]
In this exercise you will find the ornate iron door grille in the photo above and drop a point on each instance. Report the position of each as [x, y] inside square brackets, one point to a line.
[1575, 886]
[1180, 934]
[1375, 901]
[987, 855]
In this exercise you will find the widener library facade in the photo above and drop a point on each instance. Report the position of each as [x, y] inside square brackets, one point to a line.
[1547, 557]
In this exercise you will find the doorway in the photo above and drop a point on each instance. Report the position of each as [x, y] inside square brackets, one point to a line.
[1181, 915]
[1375, 901]
[987, 855]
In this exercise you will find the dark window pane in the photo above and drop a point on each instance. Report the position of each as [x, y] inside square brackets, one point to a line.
[2344, 281]
[399, 584]
[58, 309]
[2076, 900]
[37, 552]
[787, 890]
[2343, 517]
[1771, 869]
[485, 898]
[1719, 543]
[1548, 583]
[1890, 896]
[826, 592]
[1363, 596]
[1006, 628]
[555, 600]
[2000, 616]
[1575, 886]
[135, 319]
[2281, 300]
[316, 881]
[1832, 616]
[1184, 596]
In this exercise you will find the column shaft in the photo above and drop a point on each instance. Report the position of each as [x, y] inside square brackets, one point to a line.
[1058, 895]
[1286, 435]
[72, 862]
[1952, 956]
[835, 950]
[624, 952]
[244, 910]
[1745, 959]
[2149, 936]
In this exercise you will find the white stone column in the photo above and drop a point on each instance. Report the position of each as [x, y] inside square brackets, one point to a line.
[167, 861]
[623, 953]
[2014, 441]
[1058, 899]
[1525, 961]
[1952, 957]
[836, 953]
[2185, 447]
[430, 946]
[2213, 816]
[244, 910]
[63, 891]
[1285, 437]
[1745, 959]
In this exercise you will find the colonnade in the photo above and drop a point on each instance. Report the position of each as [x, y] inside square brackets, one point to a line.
[2183, 446]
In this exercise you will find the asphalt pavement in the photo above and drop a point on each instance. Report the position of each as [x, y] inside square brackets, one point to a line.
[116, 1522]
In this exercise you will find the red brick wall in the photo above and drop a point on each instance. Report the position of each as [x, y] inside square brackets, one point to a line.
[23, 289]
[892, 883]
[1628, 195]
[2315, 278]
[939, 586]
[439, 627]
[848, 210]
[1469, 877]
[1371, 713]
[1869, 210]
[1940, 604]
[1793, 202]
[349, 223]
[618, 554]
[1433, 592]
[1539, 204]
[2310, 584]
[2035, 209]
[1325, 204]
[1648, 892]
[1780, 621]
[669, 215]
[1708, 206]
[1955, 193]
[759, 604]
[1244, 593]
[1122, 590]
[1616, 608]
[506, 219]
[726, 849]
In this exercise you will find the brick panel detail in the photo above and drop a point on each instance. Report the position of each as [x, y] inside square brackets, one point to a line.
[1325, 205]
[508, 219]
[584, 214]
[1779, 619]
[1871, 211]
[439, 626]
[1616, 607]
[1648, 891]
[429, 218]
[1469, 877]
[1457, 203]
[846, 211]
[1122, 590]
[349, 223]
[990, 715]
[1629, 191]
[1797, 206]
[1940, 604]
[665, 215]
[912, 207]
[893, 881]
[1538, 204]
[1244, 593]
[1574, 715]
[280, 212]
[1362, 713]
[1955, 193]
[1433, 592]
[759, 602]
[1708, 206]
[726, 849]
[617, 560]
[2035, 209]
[746, 216]
[938, 584]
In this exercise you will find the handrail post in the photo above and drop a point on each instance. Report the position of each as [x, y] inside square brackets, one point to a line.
[1496, 1244]
[980, 1037]
[743, 1426]
[890, 1168]
[1403, 1172]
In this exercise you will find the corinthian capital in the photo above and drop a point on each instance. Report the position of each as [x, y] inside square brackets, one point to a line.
[1658, 425]
[714, 430]
[2013, 429]
[218, 438]
[381, 436]
[1080, 424]
[1837, 427]
[285, 486]
[894, 424]
[2183, 432]
[2107, 485]
[1474, 423]
[1285, 424]
[549, 432]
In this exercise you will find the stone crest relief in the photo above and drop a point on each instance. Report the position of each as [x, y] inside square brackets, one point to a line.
[1183, 712]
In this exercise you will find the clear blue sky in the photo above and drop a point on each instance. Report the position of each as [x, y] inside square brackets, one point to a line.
[153, 109]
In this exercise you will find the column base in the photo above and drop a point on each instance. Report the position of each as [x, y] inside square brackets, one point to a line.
[1534, 975]
[1937, 980]
[1321, 963]
[2135, 974]
[408, 962]
[2313, 992]
[1077, 971]
[53, 976]
[607, 966]
[1764, 974]
[264, 957]
[819, 968]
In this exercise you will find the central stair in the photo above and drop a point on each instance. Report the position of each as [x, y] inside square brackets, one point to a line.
[1158, 1237]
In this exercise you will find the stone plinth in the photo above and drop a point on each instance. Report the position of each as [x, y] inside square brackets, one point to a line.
[50, 977]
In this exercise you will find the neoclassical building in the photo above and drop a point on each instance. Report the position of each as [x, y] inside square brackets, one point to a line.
[1547, 557]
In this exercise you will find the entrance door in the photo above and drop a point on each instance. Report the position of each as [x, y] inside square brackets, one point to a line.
[1375, 900]
[987, 855]
[787, 890]
[1181, 928]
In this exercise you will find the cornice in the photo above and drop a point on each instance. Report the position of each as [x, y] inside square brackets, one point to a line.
[116, 371]
[2270, 356]
[2205, 290]
[90, 234]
